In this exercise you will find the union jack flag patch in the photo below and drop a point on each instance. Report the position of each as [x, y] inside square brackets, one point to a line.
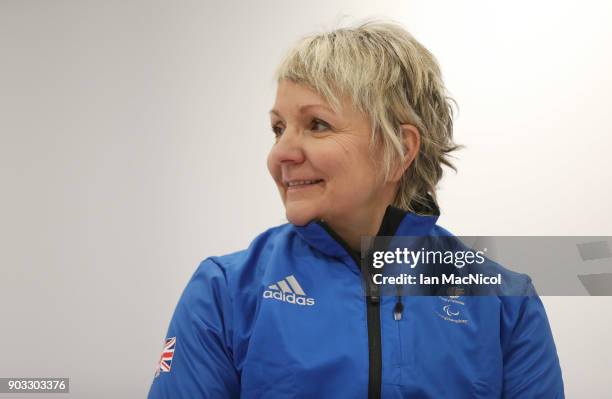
[165, 360]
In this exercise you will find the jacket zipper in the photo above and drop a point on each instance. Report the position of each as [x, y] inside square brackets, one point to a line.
[374, 332]
[373, 320]
[372, 300]
[374, 344]
[390, 222]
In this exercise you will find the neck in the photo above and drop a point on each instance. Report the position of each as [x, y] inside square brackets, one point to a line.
[365, 224]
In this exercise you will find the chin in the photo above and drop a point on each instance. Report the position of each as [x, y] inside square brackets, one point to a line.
[300, 216]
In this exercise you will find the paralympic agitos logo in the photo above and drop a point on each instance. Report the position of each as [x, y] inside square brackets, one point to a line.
[288, 290]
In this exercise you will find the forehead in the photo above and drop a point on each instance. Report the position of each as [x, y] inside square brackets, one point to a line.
[295, 98]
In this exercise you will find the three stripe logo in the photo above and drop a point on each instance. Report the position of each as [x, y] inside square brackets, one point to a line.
[290, 291]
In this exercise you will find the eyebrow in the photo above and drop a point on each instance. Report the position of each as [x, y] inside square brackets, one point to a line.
[303, 107]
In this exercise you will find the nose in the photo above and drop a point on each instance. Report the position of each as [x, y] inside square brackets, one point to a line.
[288, 149]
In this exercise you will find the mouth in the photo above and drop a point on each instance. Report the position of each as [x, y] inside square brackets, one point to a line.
[298, 184]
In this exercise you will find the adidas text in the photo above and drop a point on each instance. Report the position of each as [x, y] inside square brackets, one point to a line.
[288, 290]
[289, 297]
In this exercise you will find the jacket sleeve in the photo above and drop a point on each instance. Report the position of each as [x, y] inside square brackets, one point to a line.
[202, 364]
[531, 364]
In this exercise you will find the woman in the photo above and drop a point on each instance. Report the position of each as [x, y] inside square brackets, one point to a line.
[362, 128]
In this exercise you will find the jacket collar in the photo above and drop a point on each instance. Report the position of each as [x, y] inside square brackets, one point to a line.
[395, 222]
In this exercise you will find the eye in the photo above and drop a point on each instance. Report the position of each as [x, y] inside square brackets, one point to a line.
[317, 125]
[319, 122]
[277, 130]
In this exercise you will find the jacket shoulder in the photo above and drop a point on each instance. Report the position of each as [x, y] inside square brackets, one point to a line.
[261, 245]
[244, 272]
[513, 283]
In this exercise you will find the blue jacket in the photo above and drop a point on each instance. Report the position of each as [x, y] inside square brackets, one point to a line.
[287, 318]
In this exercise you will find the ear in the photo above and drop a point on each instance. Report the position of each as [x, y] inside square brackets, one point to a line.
[411, 139]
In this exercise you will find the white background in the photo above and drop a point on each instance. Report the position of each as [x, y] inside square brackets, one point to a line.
[133, 137]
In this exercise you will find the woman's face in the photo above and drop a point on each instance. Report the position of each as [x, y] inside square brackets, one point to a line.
[320, 160]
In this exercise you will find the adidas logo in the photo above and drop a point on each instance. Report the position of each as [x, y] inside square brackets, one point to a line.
[288, 290]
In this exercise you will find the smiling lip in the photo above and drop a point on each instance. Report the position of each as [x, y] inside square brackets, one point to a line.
[299, 184]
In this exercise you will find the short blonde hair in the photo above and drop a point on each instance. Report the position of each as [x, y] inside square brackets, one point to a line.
[394, 80]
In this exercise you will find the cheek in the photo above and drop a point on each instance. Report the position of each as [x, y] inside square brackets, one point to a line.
[356, 176]
[335, 155]
[352, 162]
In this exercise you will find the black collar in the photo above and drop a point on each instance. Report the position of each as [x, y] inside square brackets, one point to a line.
[391, 220]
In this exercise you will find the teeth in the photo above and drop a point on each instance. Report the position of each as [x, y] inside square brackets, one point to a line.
[302, 182]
